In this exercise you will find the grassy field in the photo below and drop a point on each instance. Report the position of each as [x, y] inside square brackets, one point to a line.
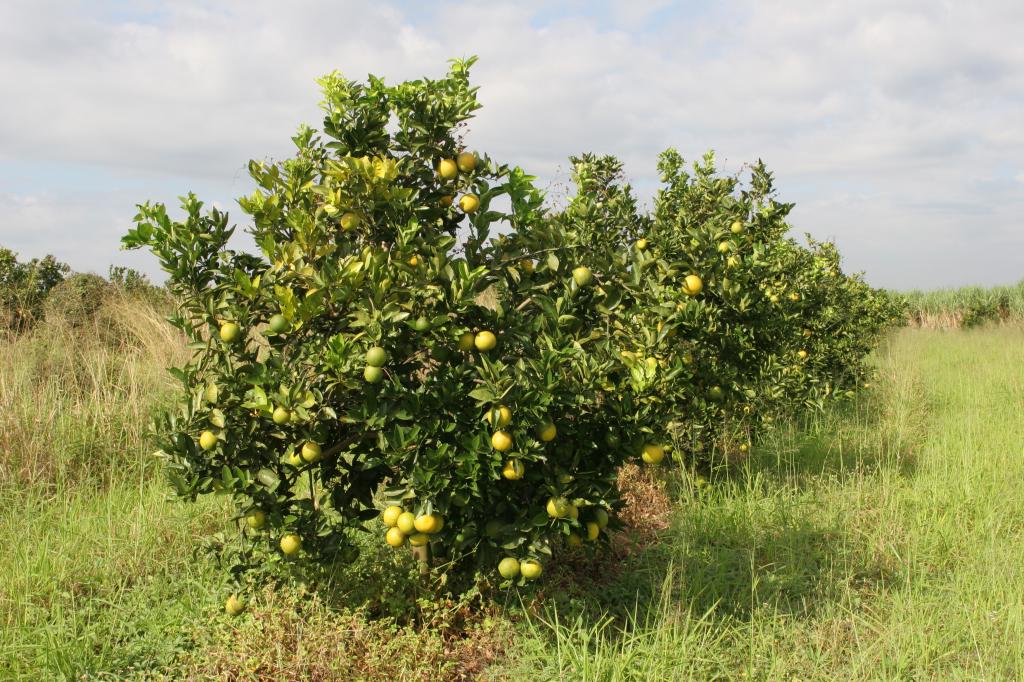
[883, 540]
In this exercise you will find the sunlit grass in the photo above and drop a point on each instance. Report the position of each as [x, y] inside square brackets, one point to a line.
[883, 539]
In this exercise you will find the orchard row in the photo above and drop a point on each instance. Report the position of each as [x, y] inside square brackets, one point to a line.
[468, 376]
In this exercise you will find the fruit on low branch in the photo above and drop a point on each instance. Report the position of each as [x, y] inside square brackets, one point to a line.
[395, 537]
[531, 569]
[234, 605]
[508, 568]
[229, 332]
[653, 453]
[256, 519]
[290, 544]
[390, 515]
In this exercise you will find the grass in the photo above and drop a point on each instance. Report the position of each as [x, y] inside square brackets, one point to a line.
[880, 540]
[966, 306]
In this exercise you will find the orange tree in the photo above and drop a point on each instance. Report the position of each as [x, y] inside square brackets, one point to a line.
[382, 348]
[725, 322]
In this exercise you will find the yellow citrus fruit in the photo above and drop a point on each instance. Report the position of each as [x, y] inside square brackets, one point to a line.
[653, 453]
[282, 415]
[428, 523]
[234, 606]
[469, 203]
[373, 375]
[558, 507]
[508, 567]
[350, 221]
[291, 544]
[207, 440]
[485, 341]
[531, 569]
[504, 416]
[447, 200]
[414, 261]
[447, 169]
[736, 227]
[547, 431]
[574, 541]
[466, 161]
[593, 530]
[724, 247]
[502, 441]
[692, 285]
[394, 537]
[641, 244]
[311, 451]
[513, 470]
[802, 354]
[744, 447]
[229, 331]
[582, 276]
[390, 515]
[295, 459]
[527, 265]
[211, 393]
[256, 519]
[418, 539]
[406, 522]
[601, 517]
[466, 341]
[574, 512]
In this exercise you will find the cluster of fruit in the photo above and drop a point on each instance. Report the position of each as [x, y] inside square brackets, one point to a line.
[405, 526]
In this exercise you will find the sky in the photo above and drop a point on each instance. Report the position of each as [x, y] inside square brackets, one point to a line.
[895, 126]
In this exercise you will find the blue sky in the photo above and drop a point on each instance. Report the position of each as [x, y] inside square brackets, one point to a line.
[894, 126]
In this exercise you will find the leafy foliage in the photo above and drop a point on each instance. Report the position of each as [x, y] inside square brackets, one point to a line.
[24, 287]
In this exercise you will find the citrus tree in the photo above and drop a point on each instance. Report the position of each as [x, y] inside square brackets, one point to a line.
[382, 350]
[420, 338]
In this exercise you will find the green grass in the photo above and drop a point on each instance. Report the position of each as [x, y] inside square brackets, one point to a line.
[881, 540]
[884, 541]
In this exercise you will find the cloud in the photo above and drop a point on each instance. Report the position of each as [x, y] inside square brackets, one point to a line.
[893, 125]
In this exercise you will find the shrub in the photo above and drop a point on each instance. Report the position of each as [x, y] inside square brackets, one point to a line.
[24, 287]
[77, 299]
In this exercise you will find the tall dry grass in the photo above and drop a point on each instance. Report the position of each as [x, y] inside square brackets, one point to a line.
[78, 397]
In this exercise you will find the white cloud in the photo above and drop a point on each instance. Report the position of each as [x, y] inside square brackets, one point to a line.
[890, 123]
